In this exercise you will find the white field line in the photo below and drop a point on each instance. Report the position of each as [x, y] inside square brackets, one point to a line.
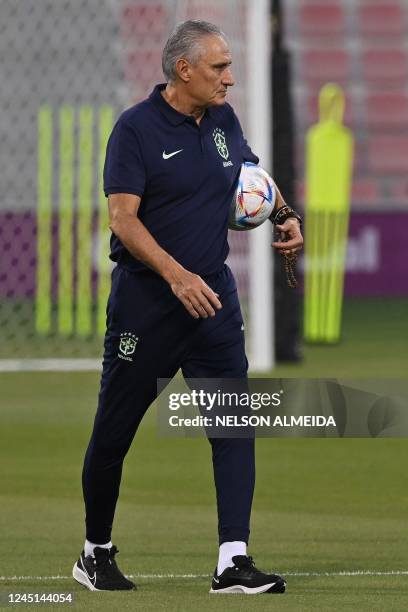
[192, 576]
[50, 365]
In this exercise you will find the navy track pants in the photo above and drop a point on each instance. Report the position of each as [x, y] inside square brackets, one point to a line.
[142, 306]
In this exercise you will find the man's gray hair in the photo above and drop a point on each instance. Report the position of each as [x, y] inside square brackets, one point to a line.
[185, 42]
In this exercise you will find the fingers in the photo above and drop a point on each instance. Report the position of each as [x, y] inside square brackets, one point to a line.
[291, 240]
[212, 297]
[197, 297]
[197, 309]
[202, 307]
[189, 307]
[205, 302]
[294, 245]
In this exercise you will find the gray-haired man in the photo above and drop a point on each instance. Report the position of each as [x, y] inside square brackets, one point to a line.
[174, 302]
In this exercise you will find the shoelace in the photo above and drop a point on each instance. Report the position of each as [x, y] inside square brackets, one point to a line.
[246, 563]
[103, 560]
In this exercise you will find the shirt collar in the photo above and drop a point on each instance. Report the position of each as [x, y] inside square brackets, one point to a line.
[171, 114]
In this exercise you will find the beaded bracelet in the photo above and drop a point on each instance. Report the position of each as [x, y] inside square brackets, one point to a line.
[283, 213]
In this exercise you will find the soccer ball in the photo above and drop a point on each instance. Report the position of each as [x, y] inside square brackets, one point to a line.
[254, 199]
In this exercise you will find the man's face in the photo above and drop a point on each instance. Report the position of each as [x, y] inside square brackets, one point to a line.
[211, 76]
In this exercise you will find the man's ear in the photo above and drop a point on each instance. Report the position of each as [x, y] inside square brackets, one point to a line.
[183, 69]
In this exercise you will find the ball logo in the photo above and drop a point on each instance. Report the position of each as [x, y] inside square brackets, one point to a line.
[127, 345]
[221, 143]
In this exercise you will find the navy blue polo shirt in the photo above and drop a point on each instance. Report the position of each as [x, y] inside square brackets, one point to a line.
[185, 174]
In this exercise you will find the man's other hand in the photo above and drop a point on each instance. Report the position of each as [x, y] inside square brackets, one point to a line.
[291, 239]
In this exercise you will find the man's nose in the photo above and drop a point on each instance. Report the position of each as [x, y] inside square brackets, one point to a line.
[227, 78]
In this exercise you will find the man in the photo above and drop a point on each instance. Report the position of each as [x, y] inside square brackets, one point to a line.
[173, 302]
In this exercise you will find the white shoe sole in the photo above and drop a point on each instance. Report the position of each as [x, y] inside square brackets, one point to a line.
[239, 588]
[82, 578]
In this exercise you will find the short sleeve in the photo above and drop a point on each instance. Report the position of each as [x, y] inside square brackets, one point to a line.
[124, 170]
[247, 154]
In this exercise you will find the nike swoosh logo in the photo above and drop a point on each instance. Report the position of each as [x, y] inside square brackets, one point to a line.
[168, 155]
[216, 580]
[91, 578]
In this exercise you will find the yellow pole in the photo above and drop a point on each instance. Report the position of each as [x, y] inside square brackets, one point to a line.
[44, 220]
[84, 225]
[104, 264]
[65, 318]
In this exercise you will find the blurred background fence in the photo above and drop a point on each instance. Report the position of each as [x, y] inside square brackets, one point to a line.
[362, 45]
[67, 70]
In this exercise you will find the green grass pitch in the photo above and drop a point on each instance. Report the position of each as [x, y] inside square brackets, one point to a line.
[323, 508]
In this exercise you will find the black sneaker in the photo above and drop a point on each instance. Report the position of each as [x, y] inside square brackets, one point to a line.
[245, 578]
[100, 573]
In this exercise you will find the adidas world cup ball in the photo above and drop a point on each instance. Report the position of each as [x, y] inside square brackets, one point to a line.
[254, 199]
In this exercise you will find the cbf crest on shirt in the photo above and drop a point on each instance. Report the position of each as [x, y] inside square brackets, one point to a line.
[221, 144]
[185, 174]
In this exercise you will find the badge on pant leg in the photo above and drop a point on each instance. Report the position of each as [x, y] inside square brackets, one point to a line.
[127, 345]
